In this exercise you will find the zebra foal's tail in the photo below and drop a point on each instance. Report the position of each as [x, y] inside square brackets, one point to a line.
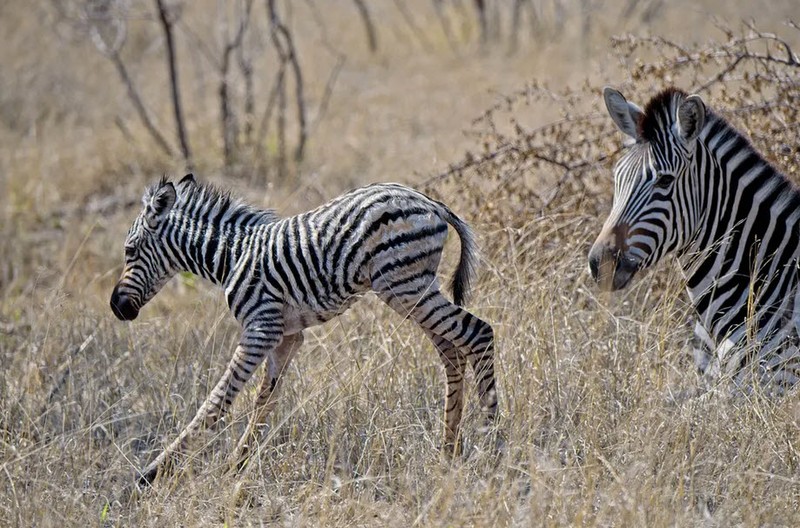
[462, 278]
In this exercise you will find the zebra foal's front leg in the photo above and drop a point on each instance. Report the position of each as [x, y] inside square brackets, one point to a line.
[256, 342]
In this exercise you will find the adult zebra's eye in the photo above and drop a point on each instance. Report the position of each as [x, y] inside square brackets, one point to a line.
[664, 180]
[130, 252]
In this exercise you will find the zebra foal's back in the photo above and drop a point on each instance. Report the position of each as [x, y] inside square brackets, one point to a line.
[324, 259]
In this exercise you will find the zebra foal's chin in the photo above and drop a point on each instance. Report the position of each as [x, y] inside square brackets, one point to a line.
[282, 275]
[692, 185]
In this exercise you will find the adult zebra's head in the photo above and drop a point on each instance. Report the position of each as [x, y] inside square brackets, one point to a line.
[147, 263]
[656, 190]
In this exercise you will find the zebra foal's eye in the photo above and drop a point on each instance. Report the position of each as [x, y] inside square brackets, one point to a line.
[664, 180]
[130, 251]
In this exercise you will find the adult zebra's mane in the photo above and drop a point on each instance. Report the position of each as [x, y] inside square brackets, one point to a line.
[207, 197]
[660, 113]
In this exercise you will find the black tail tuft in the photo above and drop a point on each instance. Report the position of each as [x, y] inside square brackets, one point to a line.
[462, 278]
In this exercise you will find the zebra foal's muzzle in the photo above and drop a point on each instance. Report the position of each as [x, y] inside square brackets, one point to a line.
[611, 268]
[123, 306]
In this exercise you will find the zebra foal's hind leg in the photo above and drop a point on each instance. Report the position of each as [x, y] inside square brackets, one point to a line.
[459, 336]
[454, 366]
[276, 365]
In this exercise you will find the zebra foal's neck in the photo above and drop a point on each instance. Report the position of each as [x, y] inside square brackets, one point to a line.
[208, 230]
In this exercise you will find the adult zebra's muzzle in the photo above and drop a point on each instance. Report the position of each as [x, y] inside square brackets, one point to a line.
[611, 268]
[123, 306]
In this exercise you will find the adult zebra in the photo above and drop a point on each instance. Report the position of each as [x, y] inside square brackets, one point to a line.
[283, 275]
[693, 185]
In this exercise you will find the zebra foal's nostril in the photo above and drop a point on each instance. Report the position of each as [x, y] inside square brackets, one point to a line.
[123, 308]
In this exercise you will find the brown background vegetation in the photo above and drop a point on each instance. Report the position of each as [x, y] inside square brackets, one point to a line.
[512, 135]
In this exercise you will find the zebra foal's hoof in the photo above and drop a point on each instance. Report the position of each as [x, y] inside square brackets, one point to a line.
[147, 477]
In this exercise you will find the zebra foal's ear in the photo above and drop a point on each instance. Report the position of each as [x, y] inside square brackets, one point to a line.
[158, 204]
[189, 178]
[691, 117]
[624, 114]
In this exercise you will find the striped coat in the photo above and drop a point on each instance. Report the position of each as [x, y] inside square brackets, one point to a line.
[282, 275]
[693, 185]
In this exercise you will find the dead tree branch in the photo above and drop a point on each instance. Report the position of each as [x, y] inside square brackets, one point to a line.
[483, 22]
[369, 27]
[112, 53]
[281, 106]
[284, 45]
[227, 115]
[246, 68]
[272, 98]
[167, 23]
[133, 95]
[85, 20]
[326, 94]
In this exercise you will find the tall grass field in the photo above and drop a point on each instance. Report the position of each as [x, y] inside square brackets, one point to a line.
[603, 419]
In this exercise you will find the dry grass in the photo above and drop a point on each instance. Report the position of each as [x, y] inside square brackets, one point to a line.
[596, 418]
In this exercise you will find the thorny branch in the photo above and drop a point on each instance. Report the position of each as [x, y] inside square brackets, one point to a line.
[738, 52]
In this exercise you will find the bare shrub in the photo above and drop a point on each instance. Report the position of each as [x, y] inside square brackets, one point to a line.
[105, 24]
[750, 77]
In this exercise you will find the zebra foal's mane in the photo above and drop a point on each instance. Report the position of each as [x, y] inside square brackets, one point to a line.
[193, 196]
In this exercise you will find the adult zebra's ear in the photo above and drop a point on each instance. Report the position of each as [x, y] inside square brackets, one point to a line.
[625, 115]
[691, 117]
[158, 205]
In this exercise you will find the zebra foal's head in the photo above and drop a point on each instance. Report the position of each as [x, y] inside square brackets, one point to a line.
[655, 208]
[147, 263]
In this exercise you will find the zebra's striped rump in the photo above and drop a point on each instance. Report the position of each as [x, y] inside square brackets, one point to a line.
[693, 185]
[282, 275]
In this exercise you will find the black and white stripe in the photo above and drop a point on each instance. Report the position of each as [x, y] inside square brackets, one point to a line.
[282, 275]
[692, 184]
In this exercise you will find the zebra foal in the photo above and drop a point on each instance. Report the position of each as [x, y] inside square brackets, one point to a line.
[693, 185]
[282, 275]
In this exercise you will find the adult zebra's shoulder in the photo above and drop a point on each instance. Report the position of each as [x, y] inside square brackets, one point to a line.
[282, 275]
[694, 185]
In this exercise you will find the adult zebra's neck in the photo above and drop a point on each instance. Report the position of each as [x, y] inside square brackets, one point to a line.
[207, 231]
[735, 245]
